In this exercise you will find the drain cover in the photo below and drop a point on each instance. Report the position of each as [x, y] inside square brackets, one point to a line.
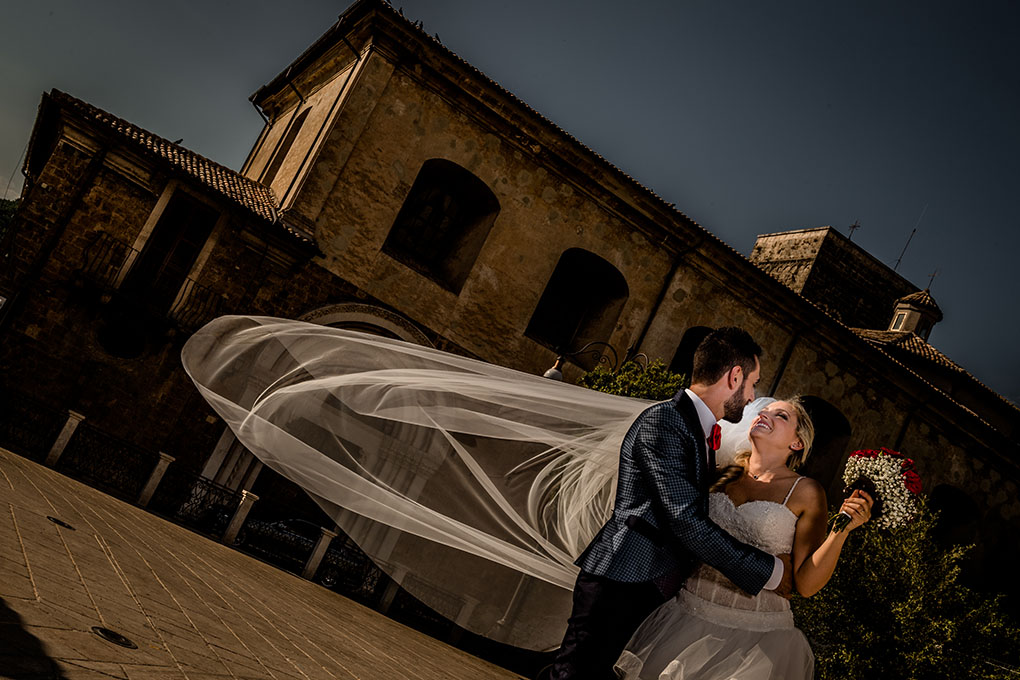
[114, 637]
[60, 522]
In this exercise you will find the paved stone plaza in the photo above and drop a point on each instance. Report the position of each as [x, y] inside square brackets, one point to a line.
[194, 609]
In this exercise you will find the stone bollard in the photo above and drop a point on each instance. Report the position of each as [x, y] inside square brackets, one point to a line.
[466, 610]
[237, 521]
[386, 601]
[312, 565]
[154, 478]
[73, 420]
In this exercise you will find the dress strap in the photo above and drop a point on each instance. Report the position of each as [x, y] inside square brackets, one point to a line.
[790, 492]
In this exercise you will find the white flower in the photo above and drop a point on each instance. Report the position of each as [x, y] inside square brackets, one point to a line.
[886, 472]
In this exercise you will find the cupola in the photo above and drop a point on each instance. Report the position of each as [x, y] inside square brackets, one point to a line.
[916, 313]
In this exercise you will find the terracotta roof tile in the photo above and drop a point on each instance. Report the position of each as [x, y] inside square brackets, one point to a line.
[923, 298]
[246, 193]
[910, 343]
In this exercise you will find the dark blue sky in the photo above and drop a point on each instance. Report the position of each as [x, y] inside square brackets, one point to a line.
[752, 117]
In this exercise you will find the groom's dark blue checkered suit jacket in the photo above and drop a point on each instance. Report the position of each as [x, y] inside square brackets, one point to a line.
[660, 522]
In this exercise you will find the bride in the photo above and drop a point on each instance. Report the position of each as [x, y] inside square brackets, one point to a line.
[713, 630]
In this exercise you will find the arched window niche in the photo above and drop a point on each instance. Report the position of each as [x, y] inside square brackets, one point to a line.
[581, 303]
[683, 358]
[443, 223]
[832, 434]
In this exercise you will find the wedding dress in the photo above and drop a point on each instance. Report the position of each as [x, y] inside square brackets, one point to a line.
[712, 630]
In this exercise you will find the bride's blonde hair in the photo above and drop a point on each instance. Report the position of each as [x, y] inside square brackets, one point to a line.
[805, 433]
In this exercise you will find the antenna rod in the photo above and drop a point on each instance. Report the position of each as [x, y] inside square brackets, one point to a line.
[900, 258]
[912, 232]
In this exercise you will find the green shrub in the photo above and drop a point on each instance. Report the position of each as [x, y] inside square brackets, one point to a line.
[895, 608]
[656, 383]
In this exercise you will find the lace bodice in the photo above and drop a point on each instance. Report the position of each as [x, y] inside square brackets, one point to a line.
[766, 525]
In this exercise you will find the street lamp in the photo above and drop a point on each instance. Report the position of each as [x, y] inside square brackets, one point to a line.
[602, 353]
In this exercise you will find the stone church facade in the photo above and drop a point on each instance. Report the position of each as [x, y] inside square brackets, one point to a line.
[396, 189]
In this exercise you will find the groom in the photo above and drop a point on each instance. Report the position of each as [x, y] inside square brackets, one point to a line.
[659, 529]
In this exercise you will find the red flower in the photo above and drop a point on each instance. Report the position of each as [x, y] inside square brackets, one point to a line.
[912, 481]
[865, 453]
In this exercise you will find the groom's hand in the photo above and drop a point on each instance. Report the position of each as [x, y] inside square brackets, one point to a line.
[785, 588]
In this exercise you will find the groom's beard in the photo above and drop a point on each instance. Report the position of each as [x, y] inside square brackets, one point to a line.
[733, 408]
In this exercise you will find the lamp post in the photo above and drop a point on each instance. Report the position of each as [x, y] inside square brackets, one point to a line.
[602, 352]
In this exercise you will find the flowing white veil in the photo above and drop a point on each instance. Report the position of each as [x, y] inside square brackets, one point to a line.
[474, 486]
[734, 435]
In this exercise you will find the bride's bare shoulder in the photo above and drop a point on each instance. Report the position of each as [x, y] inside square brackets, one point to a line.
[808, 496]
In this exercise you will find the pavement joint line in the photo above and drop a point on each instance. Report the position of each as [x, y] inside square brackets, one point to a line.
[138, 603]
[93, 669]
[39, 492]
[7, 479]
[18, 597]
[81, 578]
[24, 553]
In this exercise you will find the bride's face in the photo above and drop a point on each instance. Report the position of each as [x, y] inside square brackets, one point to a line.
[776, 427]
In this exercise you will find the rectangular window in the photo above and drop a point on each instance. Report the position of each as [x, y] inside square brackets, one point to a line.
[171, 251]
[898, 324]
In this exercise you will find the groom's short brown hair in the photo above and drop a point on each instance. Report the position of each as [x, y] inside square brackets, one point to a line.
[721, 350]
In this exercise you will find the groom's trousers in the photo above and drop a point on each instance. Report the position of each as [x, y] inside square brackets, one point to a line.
[605, 614]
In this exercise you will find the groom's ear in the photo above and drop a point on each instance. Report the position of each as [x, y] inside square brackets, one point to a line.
[734, 376]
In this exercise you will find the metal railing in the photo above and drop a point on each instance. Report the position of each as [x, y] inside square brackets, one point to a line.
[106, 462]
[186, 497]
[356, 574]
[195, 305]
[105, 264]
[104, 260]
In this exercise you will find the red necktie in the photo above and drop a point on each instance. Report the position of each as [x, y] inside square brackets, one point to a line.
[713, 438]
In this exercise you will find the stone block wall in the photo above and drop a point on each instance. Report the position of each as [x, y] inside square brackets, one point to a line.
[827, 268]
[360, 185]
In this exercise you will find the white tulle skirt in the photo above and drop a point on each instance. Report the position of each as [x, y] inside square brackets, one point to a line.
[691, 638]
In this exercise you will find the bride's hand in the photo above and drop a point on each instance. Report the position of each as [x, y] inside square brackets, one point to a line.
[858, 506]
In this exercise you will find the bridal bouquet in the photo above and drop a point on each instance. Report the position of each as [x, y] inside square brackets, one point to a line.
[890, 479]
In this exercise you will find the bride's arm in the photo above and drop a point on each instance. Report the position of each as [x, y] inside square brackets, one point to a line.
[814, 553]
